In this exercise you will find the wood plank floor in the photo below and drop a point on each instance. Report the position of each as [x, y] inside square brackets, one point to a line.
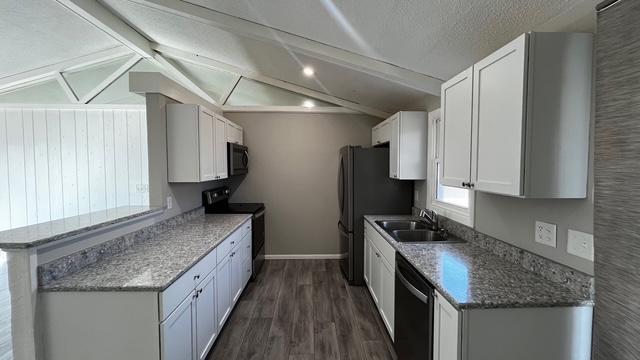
[303, 309]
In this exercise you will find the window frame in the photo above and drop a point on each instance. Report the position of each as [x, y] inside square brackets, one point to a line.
[457, 213]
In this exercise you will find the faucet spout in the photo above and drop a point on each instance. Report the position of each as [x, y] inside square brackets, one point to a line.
[431, 216]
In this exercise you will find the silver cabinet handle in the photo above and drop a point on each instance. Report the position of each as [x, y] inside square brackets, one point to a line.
[196, 277]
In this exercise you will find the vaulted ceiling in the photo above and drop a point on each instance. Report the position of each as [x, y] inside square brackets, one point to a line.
[378, 53]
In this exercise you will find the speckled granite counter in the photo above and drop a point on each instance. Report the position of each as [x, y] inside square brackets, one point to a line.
[471, 277]
[155, 264]
[44, 233]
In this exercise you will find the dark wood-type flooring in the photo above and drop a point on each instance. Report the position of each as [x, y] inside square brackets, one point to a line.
[303, 309]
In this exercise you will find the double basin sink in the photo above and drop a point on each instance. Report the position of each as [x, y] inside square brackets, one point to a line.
[412, 231]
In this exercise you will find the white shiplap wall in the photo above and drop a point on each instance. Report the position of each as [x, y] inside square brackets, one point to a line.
[62, 161]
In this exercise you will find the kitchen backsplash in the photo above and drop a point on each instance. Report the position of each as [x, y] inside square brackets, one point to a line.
[71, 263]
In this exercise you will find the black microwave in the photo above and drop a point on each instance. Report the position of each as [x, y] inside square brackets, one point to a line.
[238, 159]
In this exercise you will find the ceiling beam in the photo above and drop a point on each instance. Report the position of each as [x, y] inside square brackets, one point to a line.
[176, 73]
[66, 88]
[227, 94]
[101, 17]
[105, 20]
[289, 109]
[46, 72]
[299, 44]
[110, 79]
[217, 65]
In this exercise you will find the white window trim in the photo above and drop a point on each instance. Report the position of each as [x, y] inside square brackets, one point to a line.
[462, 215]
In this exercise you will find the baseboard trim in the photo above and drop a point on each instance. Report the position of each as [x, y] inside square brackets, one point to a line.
[302, 256]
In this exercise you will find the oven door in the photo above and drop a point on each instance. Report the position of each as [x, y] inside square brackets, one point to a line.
[238, 159]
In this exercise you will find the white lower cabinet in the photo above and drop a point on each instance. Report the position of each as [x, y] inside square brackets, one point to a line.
[223, 291]
[511, 333]
[206, 319]
[446, 330]
[177, 331]
[237, 274]
[181, 322]
[379, 275]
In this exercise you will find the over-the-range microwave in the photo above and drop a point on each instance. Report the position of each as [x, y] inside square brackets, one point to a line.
[238, 159]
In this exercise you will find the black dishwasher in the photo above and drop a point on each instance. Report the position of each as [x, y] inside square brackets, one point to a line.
[414, 313]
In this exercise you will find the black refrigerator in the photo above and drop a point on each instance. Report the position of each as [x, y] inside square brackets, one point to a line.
[365, 188]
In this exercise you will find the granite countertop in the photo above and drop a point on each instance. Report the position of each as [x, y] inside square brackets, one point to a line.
[471, 277]
[155, 264]
[44, 233]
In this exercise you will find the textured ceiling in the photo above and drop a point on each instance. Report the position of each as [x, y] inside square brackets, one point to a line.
[263, 57]
[434, 37]
[37, 33]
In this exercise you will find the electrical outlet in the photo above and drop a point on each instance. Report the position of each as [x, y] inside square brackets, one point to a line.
[142, 188]
[580, 244]
[169, 202]
[545, 233]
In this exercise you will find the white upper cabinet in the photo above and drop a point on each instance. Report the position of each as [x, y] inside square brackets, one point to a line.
[234, 133]
[381, 133]
[405, 133]
[499, 119]
[196, 144]
[221, 148]
[456, 145]
[529, 120]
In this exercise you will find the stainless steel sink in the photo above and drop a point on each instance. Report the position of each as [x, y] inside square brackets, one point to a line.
[414, 231]
[415, 236]
[392, 225]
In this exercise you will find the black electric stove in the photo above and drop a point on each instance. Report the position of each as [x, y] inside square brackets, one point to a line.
[216, 201]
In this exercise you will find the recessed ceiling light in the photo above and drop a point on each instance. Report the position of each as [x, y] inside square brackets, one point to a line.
[308, 71]
[308, 104]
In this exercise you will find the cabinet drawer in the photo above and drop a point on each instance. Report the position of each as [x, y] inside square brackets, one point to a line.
[172, 296]
[386, 250]
[205, 266]
[233, 240]
[246, 228]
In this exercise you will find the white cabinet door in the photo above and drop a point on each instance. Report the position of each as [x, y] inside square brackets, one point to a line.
[367, 260]
[375, 275]
[246, 259]
[387, 295]
[220, 149]
[237, 274]
[456, 110]
[446, 332]
[223, 291]
[394, 147]
[499, 91]
[207, 150]
[206, 320]
[177, 332]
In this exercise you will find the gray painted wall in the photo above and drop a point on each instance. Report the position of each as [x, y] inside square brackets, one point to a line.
[513, 220]
[294, 171]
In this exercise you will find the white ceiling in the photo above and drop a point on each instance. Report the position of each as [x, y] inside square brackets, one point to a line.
[434, 37]
[437, 38]
[37, 33]
[263, 57]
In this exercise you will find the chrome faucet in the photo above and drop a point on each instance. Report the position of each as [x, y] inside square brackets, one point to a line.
[431, 216]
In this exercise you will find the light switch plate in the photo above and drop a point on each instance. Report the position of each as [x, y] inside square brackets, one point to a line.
[580, 244]
[545, 233]
[169, 202]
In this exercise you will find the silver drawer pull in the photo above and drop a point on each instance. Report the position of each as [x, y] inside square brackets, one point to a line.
[196, 277]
